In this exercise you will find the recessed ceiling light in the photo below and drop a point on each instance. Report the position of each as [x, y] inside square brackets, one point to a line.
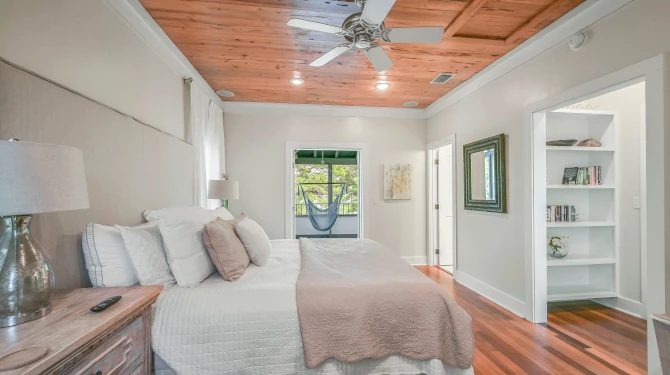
[297, 81]
[382, 85]
[225, 93]
[411, 104]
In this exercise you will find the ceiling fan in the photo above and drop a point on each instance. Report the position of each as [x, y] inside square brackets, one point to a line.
[363, 29]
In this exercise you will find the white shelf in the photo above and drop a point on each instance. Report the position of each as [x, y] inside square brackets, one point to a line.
[577, 148]
[578, 261]
[580, 224]
[577, 292]
[605, 187]
[583, 112]
[591, 269]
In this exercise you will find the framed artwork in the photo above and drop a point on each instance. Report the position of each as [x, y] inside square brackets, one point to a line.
[397, 181]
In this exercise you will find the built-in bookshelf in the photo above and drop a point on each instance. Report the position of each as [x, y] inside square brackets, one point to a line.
[591, 268]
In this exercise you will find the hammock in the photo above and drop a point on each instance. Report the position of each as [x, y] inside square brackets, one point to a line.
[323, 219]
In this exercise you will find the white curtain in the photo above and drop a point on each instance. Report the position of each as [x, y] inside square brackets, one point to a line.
[206, 133]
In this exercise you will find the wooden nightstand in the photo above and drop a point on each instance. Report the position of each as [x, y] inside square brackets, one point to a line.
[116, 341]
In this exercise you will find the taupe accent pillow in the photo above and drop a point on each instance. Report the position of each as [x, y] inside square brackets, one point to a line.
[225, 248]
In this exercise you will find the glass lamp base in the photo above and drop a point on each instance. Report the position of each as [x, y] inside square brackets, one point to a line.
[24, 318]
[26, 277]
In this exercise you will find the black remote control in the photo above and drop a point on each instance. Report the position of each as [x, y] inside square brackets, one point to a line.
[105, 304]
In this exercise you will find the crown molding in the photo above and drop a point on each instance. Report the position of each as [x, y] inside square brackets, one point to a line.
[586, 14]
[321, 110]
[141, 22]
[583, 16]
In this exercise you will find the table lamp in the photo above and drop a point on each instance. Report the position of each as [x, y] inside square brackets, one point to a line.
[223, 190]
[36, 178]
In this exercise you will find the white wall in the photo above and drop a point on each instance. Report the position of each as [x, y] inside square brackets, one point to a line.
[635, 33]
[85, 46]
[629, 103]
[255, 148]
[642, 27]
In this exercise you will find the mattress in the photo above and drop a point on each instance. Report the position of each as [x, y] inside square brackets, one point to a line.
[251, 326]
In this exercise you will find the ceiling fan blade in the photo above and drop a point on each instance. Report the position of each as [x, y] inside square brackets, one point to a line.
[330, 55]
[310, 25]
[430, 34]
[379, 59]
[375, 11]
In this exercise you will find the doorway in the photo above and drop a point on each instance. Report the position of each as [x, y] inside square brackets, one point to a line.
[442, 197]
[653, 190]
[324, 190]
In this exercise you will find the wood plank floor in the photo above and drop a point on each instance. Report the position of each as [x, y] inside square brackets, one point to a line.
[580, 337]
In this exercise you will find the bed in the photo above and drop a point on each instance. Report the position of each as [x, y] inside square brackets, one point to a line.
[251, 326]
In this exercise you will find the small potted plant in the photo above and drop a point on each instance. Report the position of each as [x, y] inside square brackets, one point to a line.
[558, 247]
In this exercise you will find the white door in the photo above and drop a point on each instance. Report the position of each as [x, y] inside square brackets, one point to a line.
[445, 207]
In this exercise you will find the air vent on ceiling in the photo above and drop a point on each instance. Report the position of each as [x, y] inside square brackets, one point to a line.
[442, 78]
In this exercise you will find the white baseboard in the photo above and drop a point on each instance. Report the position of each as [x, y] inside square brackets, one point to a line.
[498, 297]
[625, 305]
[416, 261]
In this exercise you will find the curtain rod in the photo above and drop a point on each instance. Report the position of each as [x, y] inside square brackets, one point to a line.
[26, 70]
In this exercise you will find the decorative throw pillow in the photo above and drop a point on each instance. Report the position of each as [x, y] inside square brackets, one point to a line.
[223, 213]
[254, 239]
[106, 257]
[145, 247]
[225, 248]
[185, 251]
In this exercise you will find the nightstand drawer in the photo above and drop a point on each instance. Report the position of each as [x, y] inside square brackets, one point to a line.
[116, 355]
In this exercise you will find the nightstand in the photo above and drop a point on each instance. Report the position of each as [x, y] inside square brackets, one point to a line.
[73, 340]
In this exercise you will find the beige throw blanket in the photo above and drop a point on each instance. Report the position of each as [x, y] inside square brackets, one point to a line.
[357, 300]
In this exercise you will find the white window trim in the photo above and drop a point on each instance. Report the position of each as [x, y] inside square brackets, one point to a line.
[291, 147]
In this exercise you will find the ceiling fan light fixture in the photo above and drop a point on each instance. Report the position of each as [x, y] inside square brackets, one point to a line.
[225, 93]
[362, 30]
[297, 81]
[382, 86]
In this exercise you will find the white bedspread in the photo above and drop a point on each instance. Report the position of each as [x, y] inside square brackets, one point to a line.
[251, 327]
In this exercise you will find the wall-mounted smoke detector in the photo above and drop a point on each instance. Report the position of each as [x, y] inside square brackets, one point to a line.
[442, 78]
[577, 41]
[225, 93]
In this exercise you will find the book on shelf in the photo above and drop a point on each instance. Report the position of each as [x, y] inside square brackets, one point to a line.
[582, 175]
[561, 214]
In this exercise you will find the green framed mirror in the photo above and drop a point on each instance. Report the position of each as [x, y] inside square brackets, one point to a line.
[485, 179]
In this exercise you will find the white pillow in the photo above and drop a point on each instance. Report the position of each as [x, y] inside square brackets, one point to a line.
[106, 257]
[223, 213]
[255, 241]
[186, 253]
[176, 213]
[145, 248]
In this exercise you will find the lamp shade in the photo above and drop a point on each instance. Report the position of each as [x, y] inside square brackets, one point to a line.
[38, 177]
[223, 189]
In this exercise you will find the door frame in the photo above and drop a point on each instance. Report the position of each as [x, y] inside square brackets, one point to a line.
[289, 177]
[430, 179]
[653, 72]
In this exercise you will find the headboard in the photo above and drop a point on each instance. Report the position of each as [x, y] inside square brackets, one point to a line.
[130, 166]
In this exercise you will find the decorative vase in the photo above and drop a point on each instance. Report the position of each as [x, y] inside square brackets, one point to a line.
[26, 278]
[558, 247]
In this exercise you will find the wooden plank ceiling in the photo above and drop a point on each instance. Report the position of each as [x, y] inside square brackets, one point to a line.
[246, 47]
